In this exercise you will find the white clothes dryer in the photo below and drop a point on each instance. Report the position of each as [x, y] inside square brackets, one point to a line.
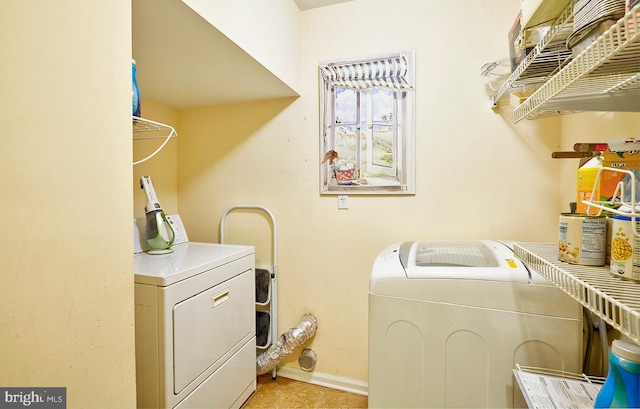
[449, 320]
[195, 326]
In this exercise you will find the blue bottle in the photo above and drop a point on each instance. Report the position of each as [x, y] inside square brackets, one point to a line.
[621, 389]
[135, 92]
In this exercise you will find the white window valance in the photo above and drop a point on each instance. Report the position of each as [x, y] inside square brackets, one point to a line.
[390, 73]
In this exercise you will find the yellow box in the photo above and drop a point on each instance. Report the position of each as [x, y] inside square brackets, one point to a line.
[517, 98]
[623, 160]
[586, 178]
[628, 161]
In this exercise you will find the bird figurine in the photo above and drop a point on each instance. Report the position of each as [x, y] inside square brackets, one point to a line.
[329, 156]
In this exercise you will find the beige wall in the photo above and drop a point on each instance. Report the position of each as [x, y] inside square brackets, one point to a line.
[479, 175]
[65, 159]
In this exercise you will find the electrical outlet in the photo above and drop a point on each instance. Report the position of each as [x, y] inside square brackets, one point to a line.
[343, 202]
[178, 229]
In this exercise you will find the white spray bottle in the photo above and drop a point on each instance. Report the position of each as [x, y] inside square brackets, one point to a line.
[158, 233]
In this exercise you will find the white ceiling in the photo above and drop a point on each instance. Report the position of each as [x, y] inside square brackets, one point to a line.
[312, 4]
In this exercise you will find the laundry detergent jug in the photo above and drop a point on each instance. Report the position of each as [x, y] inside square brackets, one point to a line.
[621, 389]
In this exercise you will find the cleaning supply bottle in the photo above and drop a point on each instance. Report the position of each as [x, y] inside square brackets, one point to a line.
[621, 389]
[135, 91]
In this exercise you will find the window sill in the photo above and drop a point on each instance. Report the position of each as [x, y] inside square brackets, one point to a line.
[367, 186]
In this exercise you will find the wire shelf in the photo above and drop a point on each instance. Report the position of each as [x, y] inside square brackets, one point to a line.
[615, 300]
[597, 380]
[546, 58]
[605, 76]
[156, 129]
[142, 125]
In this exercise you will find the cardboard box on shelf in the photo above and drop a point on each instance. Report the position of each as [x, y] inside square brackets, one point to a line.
[518, 97]
[609, 179]
[532, 36]
[536, 13]
[584, 42]
[632, 23]
[586, 178]
[517, 48]
[622, 160]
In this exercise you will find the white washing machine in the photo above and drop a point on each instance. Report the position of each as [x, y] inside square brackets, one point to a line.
[449, 320]
[195, 326]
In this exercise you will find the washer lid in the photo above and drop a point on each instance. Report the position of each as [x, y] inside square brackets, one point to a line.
[447, 253]
[471, 259]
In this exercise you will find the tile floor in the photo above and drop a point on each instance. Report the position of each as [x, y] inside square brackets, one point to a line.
[287, 393]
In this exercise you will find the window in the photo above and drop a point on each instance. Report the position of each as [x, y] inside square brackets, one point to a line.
[367, 118]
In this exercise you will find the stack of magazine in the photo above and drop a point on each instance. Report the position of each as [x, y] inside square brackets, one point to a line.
[546, 388]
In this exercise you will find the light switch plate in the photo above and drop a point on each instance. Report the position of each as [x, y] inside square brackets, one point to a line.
[343, 202]
[178, 228]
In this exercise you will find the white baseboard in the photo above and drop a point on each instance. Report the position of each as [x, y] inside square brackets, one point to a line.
[330, 381]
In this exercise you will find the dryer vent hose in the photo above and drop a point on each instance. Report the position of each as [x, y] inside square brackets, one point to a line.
[286, 344]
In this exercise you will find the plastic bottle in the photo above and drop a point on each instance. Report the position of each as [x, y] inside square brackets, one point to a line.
[135, 106]
[621, 389]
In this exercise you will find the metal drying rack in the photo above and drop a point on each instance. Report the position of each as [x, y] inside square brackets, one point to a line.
[270, 306]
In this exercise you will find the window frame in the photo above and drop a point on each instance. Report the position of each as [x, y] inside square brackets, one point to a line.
[403, 183]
